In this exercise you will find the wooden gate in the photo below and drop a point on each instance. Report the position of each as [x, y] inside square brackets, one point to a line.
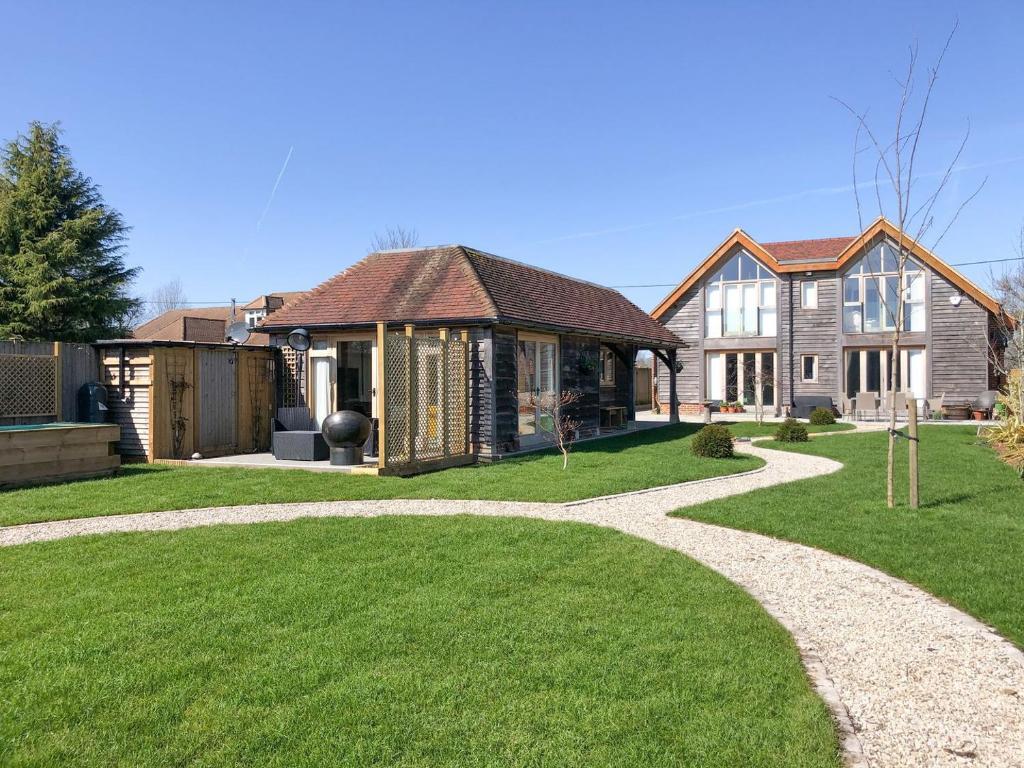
[217, 397]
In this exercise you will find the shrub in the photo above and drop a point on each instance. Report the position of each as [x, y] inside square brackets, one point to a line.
[713, 442]
[791, 431]
[822, 416]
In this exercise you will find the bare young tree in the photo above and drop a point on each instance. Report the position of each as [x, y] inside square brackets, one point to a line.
[394, 238]
[170, 295]
[902, 198]
[1006, 342]
[561, 426]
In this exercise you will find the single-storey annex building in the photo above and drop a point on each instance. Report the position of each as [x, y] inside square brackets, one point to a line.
[453, 350]
[781, 320]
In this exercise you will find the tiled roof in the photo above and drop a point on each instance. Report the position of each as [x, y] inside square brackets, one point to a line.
[457, 284]
[170, 326]
[824, 249]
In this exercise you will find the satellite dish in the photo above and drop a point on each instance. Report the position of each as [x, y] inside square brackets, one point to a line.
[238, 333]
[299, 339]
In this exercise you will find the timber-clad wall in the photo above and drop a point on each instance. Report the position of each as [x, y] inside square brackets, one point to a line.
[573, 351]
[481, 387]
[686, 320]
[129, 398]
[506, 397]
[958, 352]
[815, 332]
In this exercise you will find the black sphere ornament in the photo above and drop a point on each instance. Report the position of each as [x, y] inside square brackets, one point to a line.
[346, 432]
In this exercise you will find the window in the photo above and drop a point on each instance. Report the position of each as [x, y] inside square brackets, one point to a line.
[740, 377]
[874, 370]
[871, 293]
[253, 316]
[809, 294]
[809, 368]
[607, 367]
[739, 300]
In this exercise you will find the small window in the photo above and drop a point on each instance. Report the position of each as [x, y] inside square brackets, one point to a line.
[809, 294]
[809, 367]
[607, 368]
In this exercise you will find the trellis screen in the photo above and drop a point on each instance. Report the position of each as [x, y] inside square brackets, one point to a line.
[425, 398]
[28, 385]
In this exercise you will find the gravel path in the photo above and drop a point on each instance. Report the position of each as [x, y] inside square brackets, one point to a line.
[910, 680]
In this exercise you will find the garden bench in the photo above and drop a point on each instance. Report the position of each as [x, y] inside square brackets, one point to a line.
[613, 416]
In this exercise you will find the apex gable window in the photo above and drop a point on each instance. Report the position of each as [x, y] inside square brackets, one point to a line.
[739, 300]
[871, 293]
[809, 294]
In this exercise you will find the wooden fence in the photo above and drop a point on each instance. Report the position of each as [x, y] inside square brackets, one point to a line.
[174, 399]
[39, 380]
[643, 391]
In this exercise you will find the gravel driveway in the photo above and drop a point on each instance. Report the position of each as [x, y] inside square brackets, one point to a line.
[910, 680]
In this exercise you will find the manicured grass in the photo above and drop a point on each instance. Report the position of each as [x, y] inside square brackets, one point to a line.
[965, 544]
[630, 462]
[392, 642]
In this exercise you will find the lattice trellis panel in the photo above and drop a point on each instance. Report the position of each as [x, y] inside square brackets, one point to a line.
[425, 403]
[291, 378]
[28, 385]
[457, 396]
[396, 399]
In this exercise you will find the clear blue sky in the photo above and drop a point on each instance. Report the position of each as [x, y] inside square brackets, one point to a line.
[618, 142]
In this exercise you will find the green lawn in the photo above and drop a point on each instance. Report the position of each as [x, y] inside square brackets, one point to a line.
[965, 544]
[392, 642]
[626, 463]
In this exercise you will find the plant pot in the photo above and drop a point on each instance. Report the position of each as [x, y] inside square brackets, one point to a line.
[978, 415]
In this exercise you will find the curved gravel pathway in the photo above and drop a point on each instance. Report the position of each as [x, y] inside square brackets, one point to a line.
[910, 680]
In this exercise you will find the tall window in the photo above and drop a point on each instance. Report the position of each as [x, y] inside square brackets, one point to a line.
[871, 292]
[607, 367]
[741, 377]
[740, 300]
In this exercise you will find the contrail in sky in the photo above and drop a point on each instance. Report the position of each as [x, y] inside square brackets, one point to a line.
[274, 190]
[765, 201]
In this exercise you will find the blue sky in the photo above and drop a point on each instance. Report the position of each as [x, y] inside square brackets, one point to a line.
[618, 142]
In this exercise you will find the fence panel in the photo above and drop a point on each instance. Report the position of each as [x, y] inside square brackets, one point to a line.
[426, 387]
[79, 364]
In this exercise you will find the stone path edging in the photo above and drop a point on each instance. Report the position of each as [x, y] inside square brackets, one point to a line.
[909, 679]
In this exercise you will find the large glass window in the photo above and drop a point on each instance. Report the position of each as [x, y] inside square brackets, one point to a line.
[741, 377]
[871, 293]
[739, 300]
[874, 370]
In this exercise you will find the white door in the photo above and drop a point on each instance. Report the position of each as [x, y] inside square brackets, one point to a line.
[321, 389]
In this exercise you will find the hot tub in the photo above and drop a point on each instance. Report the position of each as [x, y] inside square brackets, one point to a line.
[43, 453]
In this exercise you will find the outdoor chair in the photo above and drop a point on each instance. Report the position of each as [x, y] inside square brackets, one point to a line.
[986, 402]
[900, 406]
[935, 405]
[847, 408]
[866, 402]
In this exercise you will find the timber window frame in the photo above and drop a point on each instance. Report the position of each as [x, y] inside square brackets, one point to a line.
[812, 370]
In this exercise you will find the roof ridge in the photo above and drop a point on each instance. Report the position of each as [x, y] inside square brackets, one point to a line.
[808, 240]
[535, 268]
[464, 252]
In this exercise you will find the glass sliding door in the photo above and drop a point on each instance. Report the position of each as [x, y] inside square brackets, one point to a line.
[874, 370]
[741, 377]
[537, 375]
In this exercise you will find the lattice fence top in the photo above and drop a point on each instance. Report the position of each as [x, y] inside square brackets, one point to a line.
[28, 385]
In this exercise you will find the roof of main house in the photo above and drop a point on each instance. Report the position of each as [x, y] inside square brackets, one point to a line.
[830, 253]
[453, 284]
[169, 326]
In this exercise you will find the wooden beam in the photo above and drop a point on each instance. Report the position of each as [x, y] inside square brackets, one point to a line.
[58, 364]
[413, 405]
[382, 331]
[673, 397]
[443, 410]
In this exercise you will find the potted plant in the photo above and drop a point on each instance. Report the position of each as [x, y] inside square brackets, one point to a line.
[979, 415]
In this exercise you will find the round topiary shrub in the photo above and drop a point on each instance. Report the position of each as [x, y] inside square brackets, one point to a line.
[791, 431]
[713, 442]
[821, 416]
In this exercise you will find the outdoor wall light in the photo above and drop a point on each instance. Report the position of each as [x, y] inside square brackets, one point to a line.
[955, 299]
[679, 366]
[299, 339]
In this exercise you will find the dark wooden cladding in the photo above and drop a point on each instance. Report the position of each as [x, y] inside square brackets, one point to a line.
[482, 391]
[506, 397]
[580, 359]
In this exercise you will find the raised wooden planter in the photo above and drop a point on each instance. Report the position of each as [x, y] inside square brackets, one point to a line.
[956, 412]
[47, 453]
